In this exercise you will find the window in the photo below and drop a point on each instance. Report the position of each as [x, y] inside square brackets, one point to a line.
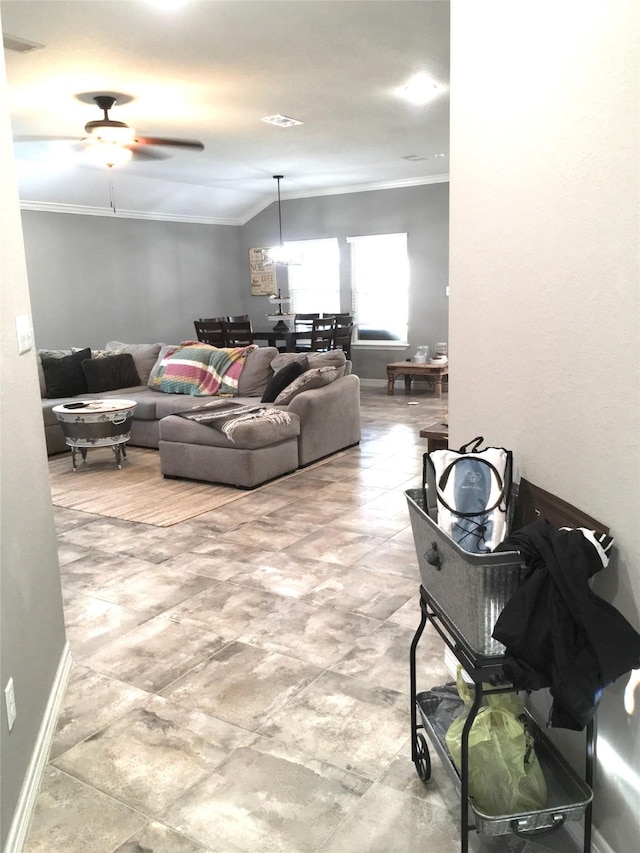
[380, 288]
[314, 284]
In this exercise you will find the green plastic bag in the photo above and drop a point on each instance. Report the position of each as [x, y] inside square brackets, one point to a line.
[505, 776]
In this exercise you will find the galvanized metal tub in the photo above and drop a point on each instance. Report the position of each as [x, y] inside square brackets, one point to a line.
[99, 423]
[470, 590]
[567, 795]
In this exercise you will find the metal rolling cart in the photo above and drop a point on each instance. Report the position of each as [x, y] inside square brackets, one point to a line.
[461, 596]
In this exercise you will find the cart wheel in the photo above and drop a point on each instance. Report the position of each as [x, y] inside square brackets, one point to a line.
[423, 760]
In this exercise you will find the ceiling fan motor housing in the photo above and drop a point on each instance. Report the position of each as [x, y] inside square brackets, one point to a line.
[90, 126]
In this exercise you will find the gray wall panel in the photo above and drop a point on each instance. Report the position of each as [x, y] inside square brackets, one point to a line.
[95, 279]
[31, 616]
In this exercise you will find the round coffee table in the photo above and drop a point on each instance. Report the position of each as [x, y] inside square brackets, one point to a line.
[96, 423]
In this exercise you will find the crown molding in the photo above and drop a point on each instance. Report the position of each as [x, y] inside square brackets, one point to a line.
[80, 210]
[357, 188]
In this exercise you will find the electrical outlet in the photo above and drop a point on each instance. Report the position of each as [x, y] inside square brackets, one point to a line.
[10, 702]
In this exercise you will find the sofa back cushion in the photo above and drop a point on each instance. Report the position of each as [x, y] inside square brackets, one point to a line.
[144, 356]
[256, 372]
[63, 375]
[333, 358]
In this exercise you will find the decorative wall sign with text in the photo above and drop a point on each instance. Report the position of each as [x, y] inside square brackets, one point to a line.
[263, 279]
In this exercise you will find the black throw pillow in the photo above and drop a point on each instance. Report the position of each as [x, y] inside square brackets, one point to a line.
[281, 379]
[111, 372]
[64, 377]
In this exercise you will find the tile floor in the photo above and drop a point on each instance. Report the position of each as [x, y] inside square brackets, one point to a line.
[240, 680]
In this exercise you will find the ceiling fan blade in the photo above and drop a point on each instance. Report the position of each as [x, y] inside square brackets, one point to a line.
[45, 138]
[177, 143]
[141, 153]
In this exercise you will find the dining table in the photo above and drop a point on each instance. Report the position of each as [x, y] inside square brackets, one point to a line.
[284, 340]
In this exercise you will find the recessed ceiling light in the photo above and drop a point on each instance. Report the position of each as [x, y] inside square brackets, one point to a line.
[419, 89]
[281, 121]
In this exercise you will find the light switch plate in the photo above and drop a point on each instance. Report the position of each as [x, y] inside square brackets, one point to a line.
[24, 333]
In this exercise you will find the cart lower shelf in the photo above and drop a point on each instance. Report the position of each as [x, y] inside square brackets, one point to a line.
[568, 795]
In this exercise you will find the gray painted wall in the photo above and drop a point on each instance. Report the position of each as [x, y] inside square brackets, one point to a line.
[98, 278]
[544, 225]
[423, 212]
[32, 627]
[95, 279]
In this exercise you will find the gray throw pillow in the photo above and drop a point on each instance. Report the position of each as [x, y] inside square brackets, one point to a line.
[314, 378]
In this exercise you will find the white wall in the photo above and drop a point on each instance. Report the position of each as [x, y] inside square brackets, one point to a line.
[544, 276]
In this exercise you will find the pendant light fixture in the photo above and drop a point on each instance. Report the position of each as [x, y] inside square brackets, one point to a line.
[279, 254]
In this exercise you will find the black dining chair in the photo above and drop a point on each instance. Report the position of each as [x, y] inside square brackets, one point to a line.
[238, 334]
[237, 318]
[305, 319]
[210, 331]
[342, 333]
[320, 338]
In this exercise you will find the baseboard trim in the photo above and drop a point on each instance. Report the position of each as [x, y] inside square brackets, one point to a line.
[29, 793]
[598, 844]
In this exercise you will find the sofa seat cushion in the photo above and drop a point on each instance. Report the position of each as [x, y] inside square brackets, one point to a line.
[247, 436]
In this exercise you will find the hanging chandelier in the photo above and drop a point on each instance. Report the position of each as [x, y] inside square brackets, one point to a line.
[279, 254]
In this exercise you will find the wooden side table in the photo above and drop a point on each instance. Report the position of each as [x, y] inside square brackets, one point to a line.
[437, 436]
[408, 369]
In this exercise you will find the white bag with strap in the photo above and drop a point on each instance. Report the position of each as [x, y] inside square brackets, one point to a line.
[468, 493]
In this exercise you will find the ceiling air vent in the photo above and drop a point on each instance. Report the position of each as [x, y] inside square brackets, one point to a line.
[281, 121]
[19, 45]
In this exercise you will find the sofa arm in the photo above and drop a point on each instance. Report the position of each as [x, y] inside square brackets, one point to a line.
[329, 418]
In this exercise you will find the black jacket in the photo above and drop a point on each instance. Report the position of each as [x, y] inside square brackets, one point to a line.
[557, 632]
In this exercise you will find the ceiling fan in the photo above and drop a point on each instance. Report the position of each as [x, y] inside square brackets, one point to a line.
[113, 143]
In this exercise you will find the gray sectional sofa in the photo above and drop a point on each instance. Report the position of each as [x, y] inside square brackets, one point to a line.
[322, 420]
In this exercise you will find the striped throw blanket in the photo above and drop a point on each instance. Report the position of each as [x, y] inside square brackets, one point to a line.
[227, 417]
[201, 370]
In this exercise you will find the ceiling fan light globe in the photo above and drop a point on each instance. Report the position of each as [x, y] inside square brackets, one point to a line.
[107, 153]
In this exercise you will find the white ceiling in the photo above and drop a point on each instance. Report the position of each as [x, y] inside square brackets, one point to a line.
[210, 71]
